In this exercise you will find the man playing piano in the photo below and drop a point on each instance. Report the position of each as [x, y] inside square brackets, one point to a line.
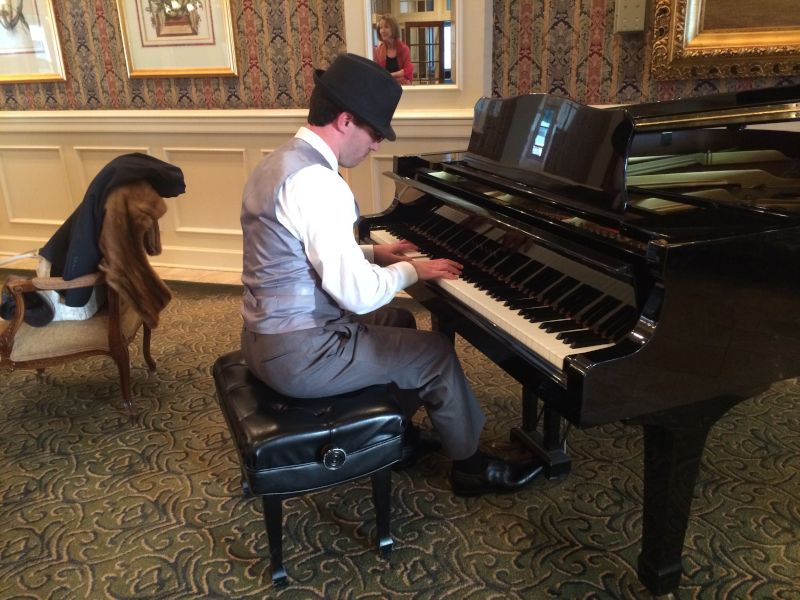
[314, 307]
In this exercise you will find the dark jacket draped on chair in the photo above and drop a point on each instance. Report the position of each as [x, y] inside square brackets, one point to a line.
[74, 249]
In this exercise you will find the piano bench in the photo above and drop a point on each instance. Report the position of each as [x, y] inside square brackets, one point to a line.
[288, 446]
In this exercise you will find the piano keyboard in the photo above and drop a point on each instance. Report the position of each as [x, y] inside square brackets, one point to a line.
[535, 323]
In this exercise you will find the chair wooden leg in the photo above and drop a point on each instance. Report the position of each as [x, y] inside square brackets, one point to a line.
[246, 491]
[122, 358]
[273, 517]
[40, 375]
[382, 495]
[148, 358]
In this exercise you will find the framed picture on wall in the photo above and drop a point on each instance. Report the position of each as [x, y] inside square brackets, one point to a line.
[177, 38]
[29, 48]
[710, 39]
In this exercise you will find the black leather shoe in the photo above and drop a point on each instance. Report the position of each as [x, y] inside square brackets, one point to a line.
[416, 444]
[498, 476]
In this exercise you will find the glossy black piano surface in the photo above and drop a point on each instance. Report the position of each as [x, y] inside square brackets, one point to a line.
[632, 263]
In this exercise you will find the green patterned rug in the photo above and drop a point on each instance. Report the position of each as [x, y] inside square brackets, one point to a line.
[95, 506]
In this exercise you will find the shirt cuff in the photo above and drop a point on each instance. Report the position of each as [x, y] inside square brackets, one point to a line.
[408, 271]
[368, 251]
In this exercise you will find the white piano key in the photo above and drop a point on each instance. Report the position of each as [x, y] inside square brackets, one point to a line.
[529, 334]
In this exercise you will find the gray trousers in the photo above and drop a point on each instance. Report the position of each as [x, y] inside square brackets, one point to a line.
[380, 348]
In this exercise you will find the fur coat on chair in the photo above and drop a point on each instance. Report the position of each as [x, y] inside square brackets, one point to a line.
[74, 250]
[129, 234]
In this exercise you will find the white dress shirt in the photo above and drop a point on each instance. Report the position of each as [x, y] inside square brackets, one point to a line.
[317, 206]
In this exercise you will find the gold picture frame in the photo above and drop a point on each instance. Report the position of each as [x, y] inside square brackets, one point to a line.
[177, 38]
[29, 46]
[710, 39]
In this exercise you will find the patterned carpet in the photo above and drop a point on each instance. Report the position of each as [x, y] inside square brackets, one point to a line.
[93, 506]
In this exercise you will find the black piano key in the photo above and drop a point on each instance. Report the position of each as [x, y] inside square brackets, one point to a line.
[561, 325]
[475, 262]
[619, 323]
[538, 292]
[511, 295]
[500, 292]
[477, 273]
[480, 252]
[579, 298]
[480, 278]
[599, 310]
[539, 315]
[473, 273]
[460, 238]
[558, 289]
[437, 226]
[487, 263]
[607, 327]
[398, 232]
[501, 256]
[444, 238]
[429, 220]
[520, 276]
[491, 258]
[476, 240]
[614, 322]
[542, 280]
[489, 285]
[582, 339]
[441, 236]
[509, 264]
[431, 228]
[527, 302]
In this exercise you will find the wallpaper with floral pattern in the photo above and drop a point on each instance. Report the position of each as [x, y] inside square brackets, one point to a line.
[278, 43]
[566, 47]
[569, 48]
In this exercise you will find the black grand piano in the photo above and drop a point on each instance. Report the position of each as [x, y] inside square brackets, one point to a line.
[637, 263]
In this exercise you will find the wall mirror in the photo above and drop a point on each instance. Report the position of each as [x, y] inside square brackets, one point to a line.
[470, 63]
[426, 28]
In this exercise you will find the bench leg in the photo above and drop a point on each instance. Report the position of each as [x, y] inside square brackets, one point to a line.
[273, 517]
[381, 494]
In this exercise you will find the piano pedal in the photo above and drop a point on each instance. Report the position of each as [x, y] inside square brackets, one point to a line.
[544, 432]
[557, 463]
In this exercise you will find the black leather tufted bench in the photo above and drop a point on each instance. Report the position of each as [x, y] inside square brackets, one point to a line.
[289, 446]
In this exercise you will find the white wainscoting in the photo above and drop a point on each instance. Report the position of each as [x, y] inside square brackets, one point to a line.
[47, 160]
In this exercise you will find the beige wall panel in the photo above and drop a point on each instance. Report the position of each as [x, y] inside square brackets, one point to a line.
[215, 178]
[35, 188]
[201, 227]
[382, 186]
[208, 258]
[52, 158]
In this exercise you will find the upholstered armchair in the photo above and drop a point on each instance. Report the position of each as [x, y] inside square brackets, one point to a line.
[101, 251]
[109, 331]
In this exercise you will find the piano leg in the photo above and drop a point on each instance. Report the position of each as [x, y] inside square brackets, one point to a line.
[548, 444]
[445, 327]
[673, 446]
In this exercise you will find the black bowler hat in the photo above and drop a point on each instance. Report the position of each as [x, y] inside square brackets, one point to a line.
[364, 88]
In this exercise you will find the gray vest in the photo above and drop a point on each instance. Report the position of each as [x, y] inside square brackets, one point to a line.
[282, 291]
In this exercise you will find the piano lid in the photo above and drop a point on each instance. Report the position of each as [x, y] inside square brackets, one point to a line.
[767, 105]
[722, 150]
[555, 144]
[658, 163]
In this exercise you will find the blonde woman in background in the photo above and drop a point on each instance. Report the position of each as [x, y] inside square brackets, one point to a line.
[392, 53]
